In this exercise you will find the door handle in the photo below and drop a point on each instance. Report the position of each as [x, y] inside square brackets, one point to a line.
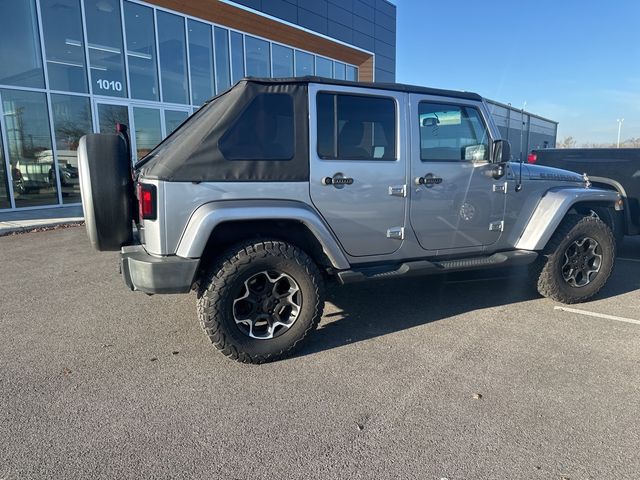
[338, 180]
[428, 180]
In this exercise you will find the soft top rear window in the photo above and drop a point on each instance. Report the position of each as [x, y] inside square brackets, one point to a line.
[265, 130]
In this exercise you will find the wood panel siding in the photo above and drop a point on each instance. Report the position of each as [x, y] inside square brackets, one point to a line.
[252, 23]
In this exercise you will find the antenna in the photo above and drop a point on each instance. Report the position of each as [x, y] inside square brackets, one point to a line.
[519, 183]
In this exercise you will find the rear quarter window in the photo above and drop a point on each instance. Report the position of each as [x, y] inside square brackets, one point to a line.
[265, 130]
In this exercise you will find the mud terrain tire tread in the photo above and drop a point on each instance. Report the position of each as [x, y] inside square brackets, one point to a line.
[546, 270]
[216, 286]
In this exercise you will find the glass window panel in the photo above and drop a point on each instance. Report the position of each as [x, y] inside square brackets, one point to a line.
[352, 73]
[4, 186]
[451, 133]
[282, 61]
[20, 56]
[141, 51]
[355, 127]
[173, 119]
[62, 29]
[223, 75]
[110, 115]
[324, 67]
[237, 57]
[258, 61]
[148, 130]
[29, 144]
[104, 37]
[304, 64]
[339, 71]
[201, 61]
[173, 58]
[71, 120]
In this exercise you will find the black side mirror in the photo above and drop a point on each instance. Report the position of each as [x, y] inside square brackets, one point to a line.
[501, 151]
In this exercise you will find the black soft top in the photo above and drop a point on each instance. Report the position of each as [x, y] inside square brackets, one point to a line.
[211, 147]
[399, 87]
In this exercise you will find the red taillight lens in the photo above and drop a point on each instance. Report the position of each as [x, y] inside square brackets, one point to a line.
[532, 158]
[147, 202]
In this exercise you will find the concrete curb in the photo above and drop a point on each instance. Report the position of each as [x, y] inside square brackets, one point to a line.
[15, 228]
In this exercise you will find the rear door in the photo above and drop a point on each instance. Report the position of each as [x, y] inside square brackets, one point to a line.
[358, 166]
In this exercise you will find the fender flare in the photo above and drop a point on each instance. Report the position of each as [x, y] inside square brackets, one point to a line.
[208, 216]
[553, 207]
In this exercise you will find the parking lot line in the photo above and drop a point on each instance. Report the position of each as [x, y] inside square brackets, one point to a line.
[599, 315]
[629, 259]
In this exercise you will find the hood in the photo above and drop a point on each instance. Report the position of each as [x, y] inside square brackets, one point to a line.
[550, 174]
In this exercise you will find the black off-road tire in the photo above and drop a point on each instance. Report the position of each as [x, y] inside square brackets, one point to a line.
[614, 219]
[219, 287]
[547, 270]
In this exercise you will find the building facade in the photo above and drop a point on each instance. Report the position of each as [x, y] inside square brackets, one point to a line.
[71, 67]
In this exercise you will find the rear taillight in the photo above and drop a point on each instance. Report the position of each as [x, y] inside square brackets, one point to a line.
[532, 158]
[147, 202]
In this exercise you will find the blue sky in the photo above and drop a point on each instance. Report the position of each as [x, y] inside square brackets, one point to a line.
[576, 62]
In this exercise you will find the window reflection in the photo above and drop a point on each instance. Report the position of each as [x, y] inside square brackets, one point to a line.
[282, 61]
[201, 61]
[4, 186]
[173, 119]
[110, 115]
[173, 58]
[223, 74]
[141, 51]
[258, 62]
[237, 57]
[20, 56]
[324, 67]
[104, 35]
[352, 73]
[148, 129]
[304, 64]
[62, 28]
[339, 71]
[71, 120]
[29, 144]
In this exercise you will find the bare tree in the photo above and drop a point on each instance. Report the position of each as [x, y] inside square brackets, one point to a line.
[567, 142]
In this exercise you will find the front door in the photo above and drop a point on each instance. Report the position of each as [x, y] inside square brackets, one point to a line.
[358, 166]
[455, 201]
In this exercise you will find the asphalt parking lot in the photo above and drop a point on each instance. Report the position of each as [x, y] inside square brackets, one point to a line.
[430, 378]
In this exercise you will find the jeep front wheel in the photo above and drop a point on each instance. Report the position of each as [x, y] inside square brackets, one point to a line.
[260, 300]
[577, 261]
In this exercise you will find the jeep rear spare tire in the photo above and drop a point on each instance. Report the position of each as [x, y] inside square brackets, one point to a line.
[260, 299]
[577, 261]
[106, 185]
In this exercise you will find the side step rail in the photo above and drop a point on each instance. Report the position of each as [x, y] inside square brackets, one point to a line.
[425, 267]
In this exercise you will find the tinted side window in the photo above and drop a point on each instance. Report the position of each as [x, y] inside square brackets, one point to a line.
[356, 127]
[452, 133]
[265, 130]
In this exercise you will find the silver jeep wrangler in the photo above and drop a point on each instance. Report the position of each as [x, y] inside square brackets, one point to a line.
[277, 186]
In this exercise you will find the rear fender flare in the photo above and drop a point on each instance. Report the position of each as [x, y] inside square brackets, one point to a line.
[553, 207]
[207, 217]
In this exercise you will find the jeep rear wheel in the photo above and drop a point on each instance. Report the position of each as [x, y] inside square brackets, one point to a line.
[577, 261]
[260, 300]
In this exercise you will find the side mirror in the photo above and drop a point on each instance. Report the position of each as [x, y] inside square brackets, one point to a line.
[501, 151]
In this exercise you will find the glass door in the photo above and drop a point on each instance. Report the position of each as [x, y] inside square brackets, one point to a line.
[109, 114]
[147, 128]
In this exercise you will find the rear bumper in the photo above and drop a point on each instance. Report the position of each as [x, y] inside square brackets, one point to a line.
[150, 274]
